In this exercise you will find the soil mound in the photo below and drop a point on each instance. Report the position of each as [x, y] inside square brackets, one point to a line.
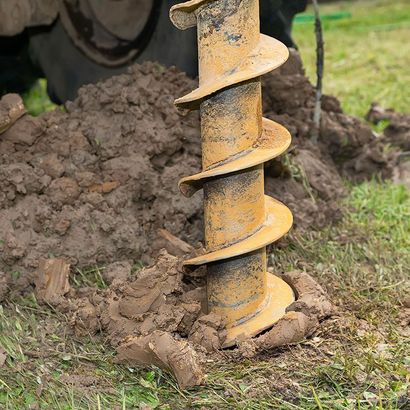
[95, 184]
[158, 315]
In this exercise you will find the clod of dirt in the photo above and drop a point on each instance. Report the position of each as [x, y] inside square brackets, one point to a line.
[209, 332]
[116, 271]
[302, 317]
[397, 132]
[11, 109]
[157, 299]
[323, 178]
[172, 244]
[311, 298]
[5, 282]
[51, 280]
[159, 316]
[161, 349]
[291, 328]
[404, 318]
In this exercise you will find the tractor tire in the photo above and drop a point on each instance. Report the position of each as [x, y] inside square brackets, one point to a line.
[67, 68]
[57, 58]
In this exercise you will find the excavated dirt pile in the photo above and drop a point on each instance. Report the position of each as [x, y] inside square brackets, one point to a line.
[158, 315]
[96, 183]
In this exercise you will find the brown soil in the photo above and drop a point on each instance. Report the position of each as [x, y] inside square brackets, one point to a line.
[397, 135]
[158, 316]
[95, 184]
[397, 132]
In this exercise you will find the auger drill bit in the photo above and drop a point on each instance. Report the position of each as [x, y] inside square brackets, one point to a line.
[240, 221]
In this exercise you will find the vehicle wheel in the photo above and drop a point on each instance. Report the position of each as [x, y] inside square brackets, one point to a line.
[68, 64]
[67, 68]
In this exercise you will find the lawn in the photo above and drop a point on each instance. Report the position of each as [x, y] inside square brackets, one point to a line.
[367, 52]
[358, 359]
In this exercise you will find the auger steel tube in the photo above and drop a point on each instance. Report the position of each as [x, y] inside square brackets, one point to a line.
[239, 219]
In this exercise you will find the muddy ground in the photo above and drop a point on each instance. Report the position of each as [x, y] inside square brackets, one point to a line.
[97, 185]
[94, 184]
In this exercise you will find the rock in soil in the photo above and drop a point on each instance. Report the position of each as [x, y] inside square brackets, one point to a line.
[97, 184]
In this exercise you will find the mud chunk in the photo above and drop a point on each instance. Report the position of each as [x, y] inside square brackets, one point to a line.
[51, 165]
[404, 318]
[311, 298]
[25, 131]
[152, 288]
[397, 131]
[78, 142]
[51, 280]
[161, 349]
[62, 226]
[302, 317]
[63, 190]
[116, 325]
[105, 187]
[86, 178]
[208, 331]
[292, 328]
[401, 174]
[11, 109]
[248, 348]
[175, 246]
[116, 271]
[191, 311]
[5, 281]
[85, 319]
[13, 247]
[344, 135]
[324, 179]
[373, 159]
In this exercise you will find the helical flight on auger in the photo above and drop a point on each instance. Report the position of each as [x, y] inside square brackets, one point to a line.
[240, 221]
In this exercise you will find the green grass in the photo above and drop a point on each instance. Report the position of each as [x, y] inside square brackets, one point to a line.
[367, 55]
[359, 359]
[36, 99]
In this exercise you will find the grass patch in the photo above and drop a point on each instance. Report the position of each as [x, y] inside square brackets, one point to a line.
[359, 359]
[367, 55]
[36, 99]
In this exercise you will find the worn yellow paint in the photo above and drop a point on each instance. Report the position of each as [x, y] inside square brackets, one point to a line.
[239, 219]
[278, 221]
[274, 140]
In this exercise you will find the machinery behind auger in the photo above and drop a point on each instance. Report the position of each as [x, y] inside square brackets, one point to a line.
[76, 42]
[236, 141]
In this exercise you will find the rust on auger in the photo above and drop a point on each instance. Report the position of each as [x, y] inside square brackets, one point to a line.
[240, 221]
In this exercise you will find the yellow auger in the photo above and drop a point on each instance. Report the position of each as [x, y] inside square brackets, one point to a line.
[240, 221]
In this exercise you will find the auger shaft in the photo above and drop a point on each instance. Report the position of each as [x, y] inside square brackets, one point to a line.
[235, 215]
[234, 205]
